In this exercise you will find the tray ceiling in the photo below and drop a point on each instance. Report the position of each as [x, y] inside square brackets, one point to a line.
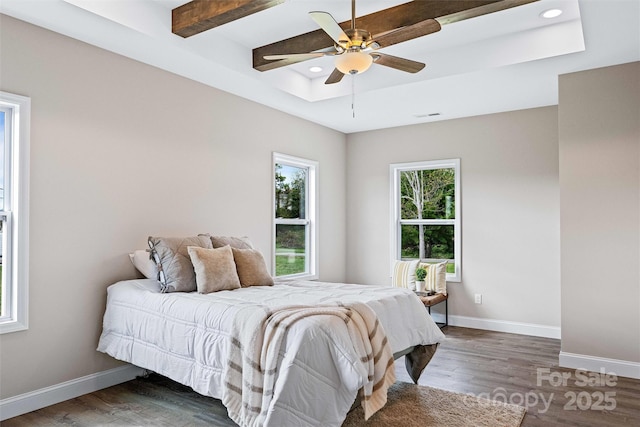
[502, 61]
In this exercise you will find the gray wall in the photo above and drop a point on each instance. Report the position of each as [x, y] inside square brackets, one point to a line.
[121, 150]
[510, 209]
[599, 125]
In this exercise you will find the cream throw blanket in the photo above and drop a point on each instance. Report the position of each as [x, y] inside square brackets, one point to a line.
[256, 340]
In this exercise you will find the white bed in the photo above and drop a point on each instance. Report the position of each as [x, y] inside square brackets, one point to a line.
[184, 336]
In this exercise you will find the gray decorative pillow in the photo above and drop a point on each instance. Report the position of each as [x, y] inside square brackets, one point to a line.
[215, 269]
[234, 242]
[175, 271]
[251, 268]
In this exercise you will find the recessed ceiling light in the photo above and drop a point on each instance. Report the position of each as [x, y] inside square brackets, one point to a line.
[315, 69]
[551, 13]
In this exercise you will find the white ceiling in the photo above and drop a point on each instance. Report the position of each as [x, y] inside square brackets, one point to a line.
[503, 61]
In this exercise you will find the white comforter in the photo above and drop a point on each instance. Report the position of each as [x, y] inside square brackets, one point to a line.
[185, 336]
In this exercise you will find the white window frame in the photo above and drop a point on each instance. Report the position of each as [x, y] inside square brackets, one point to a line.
[395, 170]
[15, 262]
[311, 200]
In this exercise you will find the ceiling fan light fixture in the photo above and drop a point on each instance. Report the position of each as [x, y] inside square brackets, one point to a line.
[353, 62]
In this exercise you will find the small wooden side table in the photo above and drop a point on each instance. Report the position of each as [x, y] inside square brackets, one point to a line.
[432, 300]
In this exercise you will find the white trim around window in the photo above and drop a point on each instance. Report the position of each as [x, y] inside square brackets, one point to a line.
[309, 221]
[396, 222]
[15, 214]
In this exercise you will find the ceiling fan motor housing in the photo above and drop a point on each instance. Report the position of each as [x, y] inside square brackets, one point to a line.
[359, 38]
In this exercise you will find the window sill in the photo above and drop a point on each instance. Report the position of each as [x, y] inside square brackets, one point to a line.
[282, 279]
[10, 326]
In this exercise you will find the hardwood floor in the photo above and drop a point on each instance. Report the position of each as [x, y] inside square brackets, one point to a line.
[495, 365]
[524, 370]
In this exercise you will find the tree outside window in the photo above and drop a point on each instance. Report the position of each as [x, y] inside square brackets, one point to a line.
[294, 216]
[426, 213]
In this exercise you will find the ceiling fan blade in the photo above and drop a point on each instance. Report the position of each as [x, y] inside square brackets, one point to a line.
[295, 56]
[401, 64]
[331, 27]
[335, 77]
[422, 28]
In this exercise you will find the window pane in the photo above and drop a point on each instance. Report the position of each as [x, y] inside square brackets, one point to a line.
[291, 185]
[2, 281]
[427, 194]
[2, 160]
[2, 251]
[437, 242]
[13, 249]
[291, 249]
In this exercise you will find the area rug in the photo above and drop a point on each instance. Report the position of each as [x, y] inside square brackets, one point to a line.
[410, 405]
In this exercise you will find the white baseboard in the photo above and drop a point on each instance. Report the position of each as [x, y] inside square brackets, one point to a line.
[621, 368]
[21, 404]
[501, 326]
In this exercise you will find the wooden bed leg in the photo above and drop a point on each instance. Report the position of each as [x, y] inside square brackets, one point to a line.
[417, 360]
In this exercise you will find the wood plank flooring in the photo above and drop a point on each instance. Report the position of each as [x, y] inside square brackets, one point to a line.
[495, 365]
[524, 370]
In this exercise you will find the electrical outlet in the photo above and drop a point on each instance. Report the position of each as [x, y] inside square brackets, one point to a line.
[478, 298]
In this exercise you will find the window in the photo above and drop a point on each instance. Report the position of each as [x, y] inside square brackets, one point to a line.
[426, 213]
[294, 213]
[14, 173]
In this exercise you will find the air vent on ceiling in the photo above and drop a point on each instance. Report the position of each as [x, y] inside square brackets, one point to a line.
[422, 116]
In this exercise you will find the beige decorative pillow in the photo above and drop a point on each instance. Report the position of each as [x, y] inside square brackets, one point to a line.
[251, 268]
[175, 271]
[436, 279]
[234, 242]
[404, 274]
[215, 269]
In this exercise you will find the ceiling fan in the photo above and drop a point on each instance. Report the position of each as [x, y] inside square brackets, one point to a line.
[356, 49]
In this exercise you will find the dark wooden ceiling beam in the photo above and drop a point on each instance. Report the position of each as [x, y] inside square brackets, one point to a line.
[482, 10]
[381, 22]
[202, 15]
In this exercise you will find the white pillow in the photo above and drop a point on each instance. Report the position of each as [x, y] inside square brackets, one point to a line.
[436, 279]
[141, 260]
[404, 274]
